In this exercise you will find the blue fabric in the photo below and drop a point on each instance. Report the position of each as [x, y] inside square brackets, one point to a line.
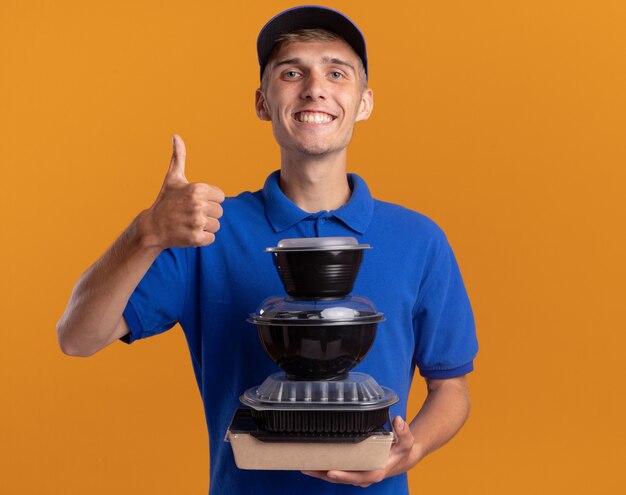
[410, 274]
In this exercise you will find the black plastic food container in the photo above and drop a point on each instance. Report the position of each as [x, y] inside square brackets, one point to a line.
[319, 339]
[354, 405]
[318, 266]
[321, 421]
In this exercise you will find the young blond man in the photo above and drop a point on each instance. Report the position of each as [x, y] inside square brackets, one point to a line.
[171, 265]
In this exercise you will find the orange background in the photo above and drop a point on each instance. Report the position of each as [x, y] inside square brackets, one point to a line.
[502, 121]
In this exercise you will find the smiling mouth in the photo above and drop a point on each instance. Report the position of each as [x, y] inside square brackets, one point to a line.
[314, 117]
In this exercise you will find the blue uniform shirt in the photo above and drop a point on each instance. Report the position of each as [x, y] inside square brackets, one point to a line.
[411, 275]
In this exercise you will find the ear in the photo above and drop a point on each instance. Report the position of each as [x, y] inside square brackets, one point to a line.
[262, 110]
[366, 106]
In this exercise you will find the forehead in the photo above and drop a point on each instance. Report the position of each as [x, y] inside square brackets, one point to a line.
[315, 51]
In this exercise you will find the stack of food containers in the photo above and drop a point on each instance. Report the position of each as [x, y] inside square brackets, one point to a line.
[316, 414]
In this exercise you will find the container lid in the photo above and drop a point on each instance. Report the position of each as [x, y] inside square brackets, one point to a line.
[358, 392]
[318, 244]
[349, 310]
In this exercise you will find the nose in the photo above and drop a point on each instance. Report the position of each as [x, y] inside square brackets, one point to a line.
[313, 87]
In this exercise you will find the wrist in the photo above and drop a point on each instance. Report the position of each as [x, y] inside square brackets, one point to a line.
[144, 233]
[418, 452]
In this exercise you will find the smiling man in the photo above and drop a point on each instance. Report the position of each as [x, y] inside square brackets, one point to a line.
[313, 91]
[169, 266]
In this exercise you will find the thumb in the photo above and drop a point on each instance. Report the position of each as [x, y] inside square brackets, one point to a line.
[403, 433]
[176, 172]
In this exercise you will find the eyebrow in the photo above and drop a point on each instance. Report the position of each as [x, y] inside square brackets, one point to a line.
[325, 60]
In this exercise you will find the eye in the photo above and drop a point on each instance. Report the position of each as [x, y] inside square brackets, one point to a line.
[336, 74]
[290, 74]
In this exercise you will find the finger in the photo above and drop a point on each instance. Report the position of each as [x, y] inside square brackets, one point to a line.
[321, 475]
[206, 192]
[358, 478]
[213, 193]
[202, 239]
[213, 210]
[176, 170]
[404, 435]
[212, 225]
[217, 194]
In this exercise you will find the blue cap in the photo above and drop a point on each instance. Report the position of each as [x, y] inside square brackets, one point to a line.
[309, 17]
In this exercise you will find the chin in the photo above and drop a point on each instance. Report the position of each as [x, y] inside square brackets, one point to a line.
[314, 150]
[318, 148]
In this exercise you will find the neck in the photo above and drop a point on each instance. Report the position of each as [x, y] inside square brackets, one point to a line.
[315, 183]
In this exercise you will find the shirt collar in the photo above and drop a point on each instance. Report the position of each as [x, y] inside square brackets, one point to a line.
[283, 213]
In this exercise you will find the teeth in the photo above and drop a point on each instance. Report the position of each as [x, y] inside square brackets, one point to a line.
[313, 117]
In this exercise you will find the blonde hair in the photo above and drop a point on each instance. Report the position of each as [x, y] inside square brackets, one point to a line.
[309, 35]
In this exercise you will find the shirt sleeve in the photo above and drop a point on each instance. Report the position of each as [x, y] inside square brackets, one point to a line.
[157, 303]
[443, 320]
